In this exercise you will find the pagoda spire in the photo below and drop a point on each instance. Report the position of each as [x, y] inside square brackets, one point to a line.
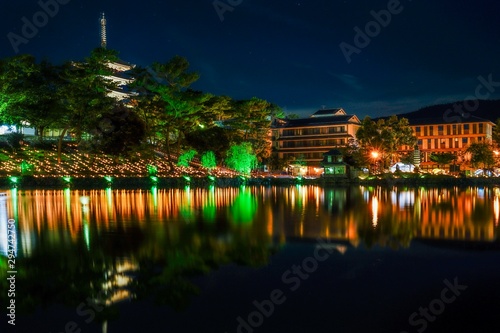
[103, 31]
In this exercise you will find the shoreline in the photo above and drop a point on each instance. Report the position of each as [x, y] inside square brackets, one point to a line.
[32, 182]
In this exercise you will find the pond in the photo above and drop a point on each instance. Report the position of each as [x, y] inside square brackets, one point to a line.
[252, 259]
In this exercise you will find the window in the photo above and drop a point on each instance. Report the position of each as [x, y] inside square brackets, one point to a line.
[440, 130]
[419, 142]
[431, 130]
[464, 141]
[417, 129]
[454, 129]
[466, 128]
[481, 128]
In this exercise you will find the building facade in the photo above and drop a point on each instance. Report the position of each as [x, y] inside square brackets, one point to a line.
[307, 139]
[434, 135]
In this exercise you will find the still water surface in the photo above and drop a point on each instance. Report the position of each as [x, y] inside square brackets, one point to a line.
[255, 259]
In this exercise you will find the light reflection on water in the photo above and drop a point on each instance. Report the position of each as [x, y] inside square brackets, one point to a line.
[298, 211]
[122, 244]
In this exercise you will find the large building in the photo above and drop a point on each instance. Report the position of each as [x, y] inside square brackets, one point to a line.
[309, 138]
[435, 135]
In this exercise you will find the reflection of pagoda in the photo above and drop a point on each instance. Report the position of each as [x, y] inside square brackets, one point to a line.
[121, 75]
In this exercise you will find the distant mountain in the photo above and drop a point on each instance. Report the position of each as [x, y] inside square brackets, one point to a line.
[487, 109]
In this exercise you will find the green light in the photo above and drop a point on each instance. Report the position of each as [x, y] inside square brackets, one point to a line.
[211, 178]
[109, 179]
[209, 209]
[109, 197]
[67, 179]
[26, 167]
[14, 179]
[67, 197]
[243, 208]
[152, 170]
[154, 192]
[154, 179]
[187, 178]
[86, 235]
[13, 195]
[299, 179]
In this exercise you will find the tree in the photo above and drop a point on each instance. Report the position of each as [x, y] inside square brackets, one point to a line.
[386, 136]
[28, 92]
[117, 132]
[169, 108]
[355, 155]
[481, 153]
[407, 158]
[252, 120]
[292, 116]
[443, 158]
[241, 158]
[274, 162]
[84, 95]
[216, 139]
[186, 158]
[208, 160]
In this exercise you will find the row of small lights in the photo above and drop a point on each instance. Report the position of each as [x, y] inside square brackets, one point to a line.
[80, 166]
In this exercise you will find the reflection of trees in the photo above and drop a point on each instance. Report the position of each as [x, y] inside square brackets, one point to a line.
[62, 274]
[170, 260]
[388, 233]
[67, 273]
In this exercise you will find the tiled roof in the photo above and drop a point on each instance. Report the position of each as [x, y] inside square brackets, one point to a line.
[320, 121]
[326, 112]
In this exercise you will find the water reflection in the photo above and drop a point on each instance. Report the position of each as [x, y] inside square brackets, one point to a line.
[113, 245]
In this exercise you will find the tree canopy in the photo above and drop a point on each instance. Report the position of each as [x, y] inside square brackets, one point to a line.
[481, 155]
[385, 136]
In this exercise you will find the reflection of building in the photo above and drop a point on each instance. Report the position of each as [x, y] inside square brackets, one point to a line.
[309, 138]
[457, 215]
[435, 135]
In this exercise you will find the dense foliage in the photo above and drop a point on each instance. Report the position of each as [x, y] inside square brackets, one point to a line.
[72, 102]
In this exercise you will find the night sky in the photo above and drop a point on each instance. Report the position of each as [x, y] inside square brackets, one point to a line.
[287, 52]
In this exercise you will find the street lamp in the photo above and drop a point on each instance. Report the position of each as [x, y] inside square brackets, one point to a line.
[375, 155]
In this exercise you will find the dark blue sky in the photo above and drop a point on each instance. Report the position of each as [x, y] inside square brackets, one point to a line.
[287, 52]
